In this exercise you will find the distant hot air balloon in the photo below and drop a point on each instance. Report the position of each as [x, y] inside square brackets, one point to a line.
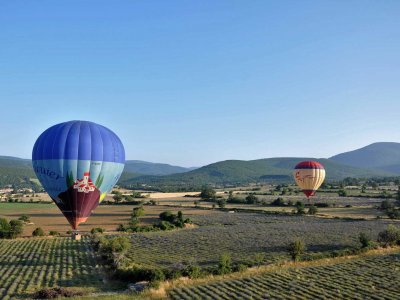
[77, 163]
[309, 175]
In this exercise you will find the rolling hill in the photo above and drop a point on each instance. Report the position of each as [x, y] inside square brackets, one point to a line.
[238, 171]
[149, 168]
[380, 156]
[17, 172]
[376, 160]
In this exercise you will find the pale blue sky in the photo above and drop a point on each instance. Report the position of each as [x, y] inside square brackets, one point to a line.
[194, 82]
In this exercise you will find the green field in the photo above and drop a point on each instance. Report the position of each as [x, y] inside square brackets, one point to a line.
[374, 277]
[30, 264]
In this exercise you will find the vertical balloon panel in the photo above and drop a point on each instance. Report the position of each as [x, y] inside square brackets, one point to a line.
[78, 163]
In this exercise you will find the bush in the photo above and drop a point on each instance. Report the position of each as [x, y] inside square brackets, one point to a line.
[251, 199]
[38, 232]
[386, 204]
[225, 264]
[164, 225]
[221, 203]
[137, 212]
[389, 237]
[208, 193]
[172, 274]
[278, 202]
[239, 268]
[321, 204]
[365, 240]
[97, 230]
[167, 216]
[300, 208]
[16, 228]
[192, 271]
[393, 214]
[296, 249]
[4, 228]
[24, 218]
[312, 210]
[140, 274]
[54, 233]
[56, 292]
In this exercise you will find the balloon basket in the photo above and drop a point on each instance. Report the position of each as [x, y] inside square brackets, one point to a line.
[76, 236]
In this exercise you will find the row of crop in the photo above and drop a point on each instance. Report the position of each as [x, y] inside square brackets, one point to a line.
[371, 278]
[30, 264]
[246, 238]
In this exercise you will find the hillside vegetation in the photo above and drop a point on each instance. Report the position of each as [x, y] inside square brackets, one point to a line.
[148, 168]
[381, 156]
[238, 172]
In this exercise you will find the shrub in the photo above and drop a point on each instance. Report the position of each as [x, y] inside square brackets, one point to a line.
[51, 293]
[4, 228]
[278, 202]
[239, 268]
[192, 271]
[225, 264]
[365, 240]
[208, 193]
[97, 230]
[38, 232]
[251, 199]
[24, 218]
[393, 214]
[140, 274]
[118, 244]
[122, 228]
[16, 228]
[389, 237]
[312, 210]
[321, 204]
[386, 204]
[137, 212]
[221, 203]
[300, 208]
[167, 216]
[164, 225]
[296, 249]
[172, 274]
[54, 233]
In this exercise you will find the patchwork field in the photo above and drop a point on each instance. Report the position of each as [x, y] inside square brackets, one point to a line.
[49, 217]
[373, 277]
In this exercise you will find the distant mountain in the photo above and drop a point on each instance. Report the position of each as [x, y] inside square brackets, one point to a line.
[18, 172]
[380, 156]
[149, 168]
[376, 160]
[238, 172]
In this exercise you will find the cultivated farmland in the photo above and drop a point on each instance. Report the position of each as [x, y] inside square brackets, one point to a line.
[30, 264]
[245, 236]
[374, 277]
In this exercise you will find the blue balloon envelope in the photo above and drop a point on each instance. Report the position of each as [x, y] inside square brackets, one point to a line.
[78, 163]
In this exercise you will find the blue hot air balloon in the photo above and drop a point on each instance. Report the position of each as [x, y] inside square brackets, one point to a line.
[78, 163]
